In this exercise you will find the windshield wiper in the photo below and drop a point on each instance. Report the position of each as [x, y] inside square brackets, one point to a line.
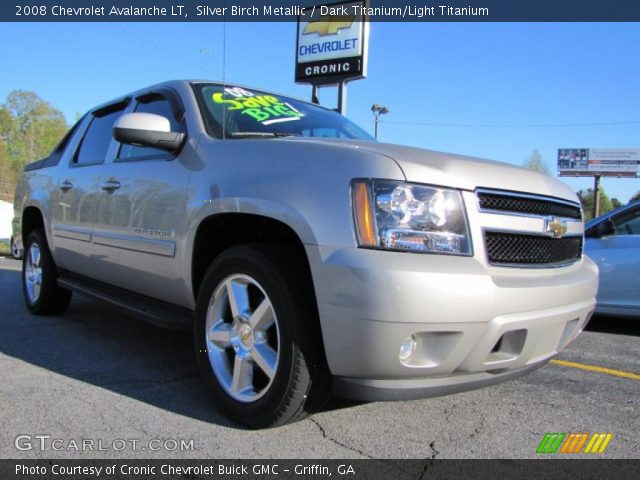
[262, 134]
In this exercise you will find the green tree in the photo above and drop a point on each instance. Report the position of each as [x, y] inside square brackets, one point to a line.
[536, 163]
[615, 203]
[5, 172]
[6, 169]
[636, 196]
[29, 129]
[587, 197]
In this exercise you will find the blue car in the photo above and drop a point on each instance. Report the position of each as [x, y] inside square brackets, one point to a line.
[613, 242]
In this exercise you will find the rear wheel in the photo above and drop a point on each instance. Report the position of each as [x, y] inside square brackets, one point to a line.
[257, 337]
[40, 289]
[15, 251]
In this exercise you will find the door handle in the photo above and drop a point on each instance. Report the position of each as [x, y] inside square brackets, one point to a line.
[110, 186]
[66, 185]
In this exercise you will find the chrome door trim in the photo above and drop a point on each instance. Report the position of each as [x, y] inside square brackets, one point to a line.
[165, 248]
[74, 233]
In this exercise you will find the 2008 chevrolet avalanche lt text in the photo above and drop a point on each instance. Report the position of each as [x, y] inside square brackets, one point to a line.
[307, 257]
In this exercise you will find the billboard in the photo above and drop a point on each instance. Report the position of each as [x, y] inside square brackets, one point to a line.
[611, 162]
[332, 43]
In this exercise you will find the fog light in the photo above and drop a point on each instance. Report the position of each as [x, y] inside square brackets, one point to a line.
[407, 348]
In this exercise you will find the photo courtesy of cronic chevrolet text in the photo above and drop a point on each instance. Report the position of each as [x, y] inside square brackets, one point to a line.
[308, 259]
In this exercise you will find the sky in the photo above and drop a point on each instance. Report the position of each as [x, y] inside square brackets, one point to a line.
[491, 90]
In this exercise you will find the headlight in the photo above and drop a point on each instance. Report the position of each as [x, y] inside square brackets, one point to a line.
[405, 216]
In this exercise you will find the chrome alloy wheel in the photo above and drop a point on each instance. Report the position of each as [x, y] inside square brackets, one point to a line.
[242, 338]
[15, 251]
[33, 273]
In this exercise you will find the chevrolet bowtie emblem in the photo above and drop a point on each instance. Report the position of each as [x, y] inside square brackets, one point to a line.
[329, 25]
[556, 226]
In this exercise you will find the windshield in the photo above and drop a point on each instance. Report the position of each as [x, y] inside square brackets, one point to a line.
[238, 112]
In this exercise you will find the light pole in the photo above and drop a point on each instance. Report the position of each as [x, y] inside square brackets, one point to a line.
[377, 110]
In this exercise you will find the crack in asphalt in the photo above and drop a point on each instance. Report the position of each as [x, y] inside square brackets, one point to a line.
[435, 452]
[430, 460]
[390, 463]
[337, 442]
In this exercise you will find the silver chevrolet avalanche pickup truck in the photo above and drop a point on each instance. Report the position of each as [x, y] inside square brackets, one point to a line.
[306, 257]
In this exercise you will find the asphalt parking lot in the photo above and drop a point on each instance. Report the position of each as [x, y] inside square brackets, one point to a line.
[97, 374]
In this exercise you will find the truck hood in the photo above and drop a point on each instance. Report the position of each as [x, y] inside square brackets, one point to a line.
[460, 171]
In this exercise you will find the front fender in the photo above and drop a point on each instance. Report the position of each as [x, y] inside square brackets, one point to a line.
[32, 191]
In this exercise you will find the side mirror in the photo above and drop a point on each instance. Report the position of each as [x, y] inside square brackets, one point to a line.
[602, 229]
[147, 130]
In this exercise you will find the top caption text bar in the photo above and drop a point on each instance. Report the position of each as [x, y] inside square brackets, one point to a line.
[289, 10]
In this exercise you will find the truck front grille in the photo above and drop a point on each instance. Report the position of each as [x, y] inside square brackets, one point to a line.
[529, 205]
[531, 250]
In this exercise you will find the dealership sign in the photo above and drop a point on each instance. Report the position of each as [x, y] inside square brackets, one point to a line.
[612, 162]
[332, 43]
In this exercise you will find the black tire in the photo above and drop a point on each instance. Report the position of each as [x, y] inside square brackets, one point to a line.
[51, 298]
[301, 381]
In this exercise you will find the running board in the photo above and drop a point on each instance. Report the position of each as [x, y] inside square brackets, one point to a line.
[157, 312]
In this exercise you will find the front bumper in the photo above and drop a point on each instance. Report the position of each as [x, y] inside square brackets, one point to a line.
[372, 390]
[474, 325]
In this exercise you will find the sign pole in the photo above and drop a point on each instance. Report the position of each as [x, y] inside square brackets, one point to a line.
[342, 97]
[596, 193]
[596, 163]
[314, 94]
[332, 47]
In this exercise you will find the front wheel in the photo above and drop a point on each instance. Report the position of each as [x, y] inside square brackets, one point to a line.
[40, 289]
[257, 337]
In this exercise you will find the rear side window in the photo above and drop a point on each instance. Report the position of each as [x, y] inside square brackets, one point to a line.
[157, 105]
[66, 139]
[95, 143]
[55, 156]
